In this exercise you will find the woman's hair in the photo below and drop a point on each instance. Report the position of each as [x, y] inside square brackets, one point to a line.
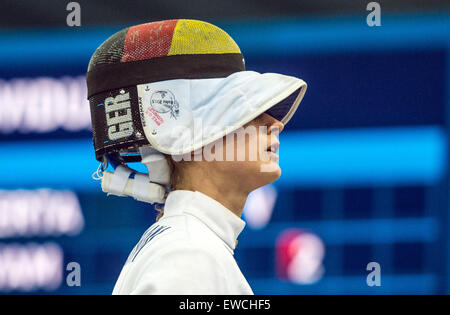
[160, 210]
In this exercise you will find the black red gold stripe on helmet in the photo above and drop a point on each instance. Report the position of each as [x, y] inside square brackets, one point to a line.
[150, 40]
[110, 52]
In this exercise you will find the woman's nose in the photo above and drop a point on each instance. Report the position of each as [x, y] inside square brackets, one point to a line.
[276, 127]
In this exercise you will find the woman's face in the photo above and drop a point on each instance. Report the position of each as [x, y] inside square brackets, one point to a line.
[249, 155]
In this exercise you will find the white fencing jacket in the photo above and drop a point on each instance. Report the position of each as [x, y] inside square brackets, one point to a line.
[188, 251]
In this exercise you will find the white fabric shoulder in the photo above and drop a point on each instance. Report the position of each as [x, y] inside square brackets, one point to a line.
[185, 268]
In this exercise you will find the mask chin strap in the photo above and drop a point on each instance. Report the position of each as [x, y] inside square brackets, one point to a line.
[124, 181]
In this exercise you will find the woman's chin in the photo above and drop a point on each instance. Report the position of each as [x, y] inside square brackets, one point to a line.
[270, 171]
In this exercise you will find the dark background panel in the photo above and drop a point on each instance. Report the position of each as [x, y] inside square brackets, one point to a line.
[30, 13]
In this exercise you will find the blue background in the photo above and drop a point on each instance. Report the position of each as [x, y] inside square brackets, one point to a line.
[364, 160]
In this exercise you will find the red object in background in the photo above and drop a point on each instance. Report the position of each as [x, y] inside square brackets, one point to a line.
[299, 255]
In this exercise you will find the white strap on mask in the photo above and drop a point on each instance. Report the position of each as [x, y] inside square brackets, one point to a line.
[158, 168]
[115, 183]
[140, 188]
[145, 191]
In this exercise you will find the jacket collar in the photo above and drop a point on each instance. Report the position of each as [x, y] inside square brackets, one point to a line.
[212, 213]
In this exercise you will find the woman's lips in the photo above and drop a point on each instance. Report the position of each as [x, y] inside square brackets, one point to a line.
[273, 147]
[273, 156]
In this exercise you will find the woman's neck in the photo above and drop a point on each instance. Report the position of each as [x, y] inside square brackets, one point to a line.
[220, 188]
